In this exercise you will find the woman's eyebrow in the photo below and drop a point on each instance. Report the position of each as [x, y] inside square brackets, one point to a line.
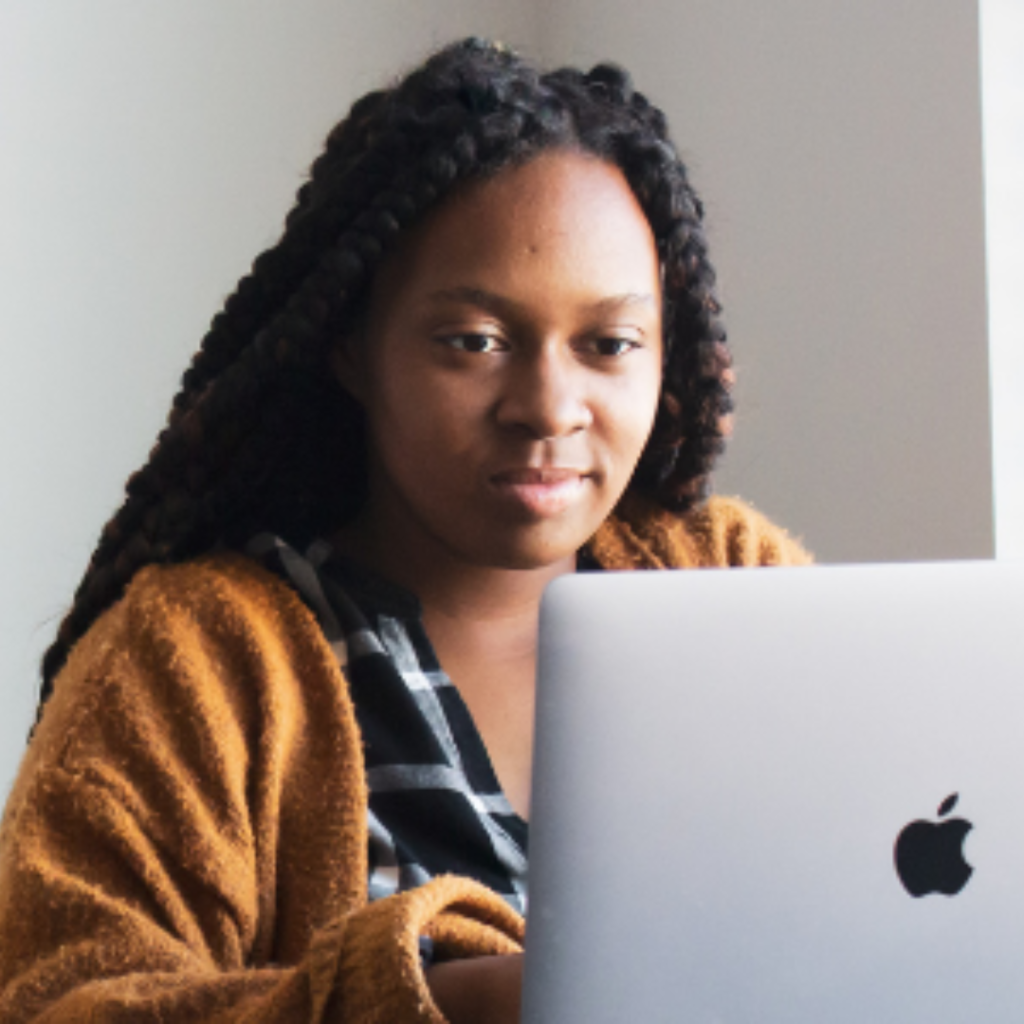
[501, 305]
[490, 302]
[615, 302]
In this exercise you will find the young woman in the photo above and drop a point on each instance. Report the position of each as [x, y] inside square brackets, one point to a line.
[281, 767]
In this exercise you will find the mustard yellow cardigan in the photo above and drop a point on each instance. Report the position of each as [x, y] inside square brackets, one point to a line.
[186, 838]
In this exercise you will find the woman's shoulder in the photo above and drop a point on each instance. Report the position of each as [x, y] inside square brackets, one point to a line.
[719, 532]
[216, 639]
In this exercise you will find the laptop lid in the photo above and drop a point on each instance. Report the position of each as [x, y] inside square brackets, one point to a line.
[724, 764]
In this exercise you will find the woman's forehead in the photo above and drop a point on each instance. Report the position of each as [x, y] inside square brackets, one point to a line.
[564, 222]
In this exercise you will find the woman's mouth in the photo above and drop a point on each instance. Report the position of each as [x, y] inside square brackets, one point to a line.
[540, 492]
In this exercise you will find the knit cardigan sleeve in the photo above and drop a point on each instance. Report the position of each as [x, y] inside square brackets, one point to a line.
[186, 839]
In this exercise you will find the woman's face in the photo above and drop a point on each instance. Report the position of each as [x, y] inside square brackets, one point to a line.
[511, 365]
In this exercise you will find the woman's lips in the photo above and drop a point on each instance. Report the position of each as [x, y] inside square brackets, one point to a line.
[542, 492]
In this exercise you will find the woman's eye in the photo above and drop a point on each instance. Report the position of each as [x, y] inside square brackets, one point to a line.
[614, 346]
[475, 343]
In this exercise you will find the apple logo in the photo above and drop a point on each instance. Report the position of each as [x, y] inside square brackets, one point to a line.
[929, 855]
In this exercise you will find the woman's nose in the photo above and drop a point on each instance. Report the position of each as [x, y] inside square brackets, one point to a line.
[544, 394]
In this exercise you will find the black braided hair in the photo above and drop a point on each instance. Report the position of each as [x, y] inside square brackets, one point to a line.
[261, 436]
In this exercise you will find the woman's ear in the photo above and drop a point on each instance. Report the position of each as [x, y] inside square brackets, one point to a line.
[347, 364]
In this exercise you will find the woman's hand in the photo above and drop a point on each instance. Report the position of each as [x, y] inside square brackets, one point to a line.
[482, 990]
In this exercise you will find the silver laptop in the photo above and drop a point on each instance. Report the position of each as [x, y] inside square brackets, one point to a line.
[780, 795]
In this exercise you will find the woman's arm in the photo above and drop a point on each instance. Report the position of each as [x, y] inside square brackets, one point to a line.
[484, 990]
[186, 837]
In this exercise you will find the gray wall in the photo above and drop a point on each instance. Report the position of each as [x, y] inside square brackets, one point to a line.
[150, 151]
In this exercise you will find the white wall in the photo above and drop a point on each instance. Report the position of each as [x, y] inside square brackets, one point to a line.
[149, 151]
[1003, 90]
[837, 143]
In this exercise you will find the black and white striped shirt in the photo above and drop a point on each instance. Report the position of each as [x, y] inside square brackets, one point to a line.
[435, 805]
